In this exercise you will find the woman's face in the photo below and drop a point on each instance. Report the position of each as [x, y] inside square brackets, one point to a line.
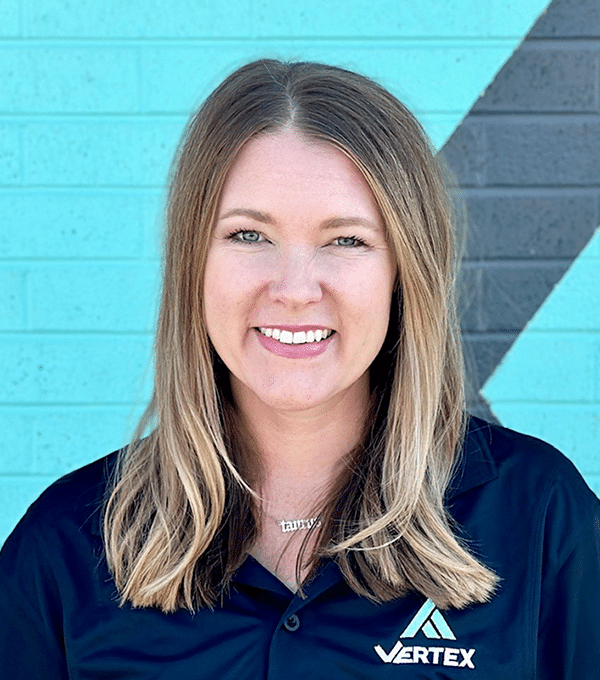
[299, 276]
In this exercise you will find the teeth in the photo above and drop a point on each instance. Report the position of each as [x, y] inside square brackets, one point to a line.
[299, 338]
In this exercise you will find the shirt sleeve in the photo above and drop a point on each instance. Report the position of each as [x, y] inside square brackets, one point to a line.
[31, 645]
[569, 627]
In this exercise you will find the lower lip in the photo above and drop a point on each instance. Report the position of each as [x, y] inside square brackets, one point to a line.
[304, 351]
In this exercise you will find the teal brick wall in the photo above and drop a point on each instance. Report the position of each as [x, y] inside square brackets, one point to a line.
[549, 382]
[93, 97]
[536, 209]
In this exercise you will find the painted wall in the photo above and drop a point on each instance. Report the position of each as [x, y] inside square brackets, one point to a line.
[93, 97]
[528, 158]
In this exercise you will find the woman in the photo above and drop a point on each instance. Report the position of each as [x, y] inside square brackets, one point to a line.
[311, 501]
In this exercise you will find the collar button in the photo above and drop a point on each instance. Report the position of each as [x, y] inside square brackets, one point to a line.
[292, 623]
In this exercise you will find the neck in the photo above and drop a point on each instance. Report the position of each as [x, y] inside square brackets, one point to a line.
[302, 452]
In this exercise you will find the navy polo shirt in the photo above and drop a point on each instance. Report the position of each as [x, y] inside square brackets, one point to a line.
[520, 504]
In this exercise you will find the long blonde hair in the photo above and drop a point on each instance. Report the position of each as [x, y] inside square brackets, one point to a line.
[181, 516]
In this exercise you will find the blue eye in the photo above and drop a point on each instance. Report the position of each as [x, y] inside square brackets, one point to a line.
[349, 241]
[245, 236]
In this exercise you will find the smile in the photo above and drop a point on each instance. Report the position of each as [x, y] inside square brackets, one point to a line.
[298, 338]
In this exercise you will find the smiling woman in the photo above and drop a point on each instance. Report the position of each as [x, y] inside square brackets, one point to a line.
[318, 262]
[310, 493]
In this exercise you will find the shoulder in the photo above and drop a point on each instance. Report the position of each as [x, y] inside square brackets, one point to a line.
[526, 477]
[512, 453]
[51, 565]
[56, 548]
[533, 519]
[505, 444]
[72, 503]
[520, 478]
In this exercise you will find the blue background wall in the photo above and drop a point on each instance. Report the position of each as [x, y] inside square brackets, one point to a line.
[528, 158]
[93, 97]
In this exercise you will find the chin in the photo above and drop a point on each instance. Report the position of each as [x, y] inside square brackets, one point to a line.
[292, 402]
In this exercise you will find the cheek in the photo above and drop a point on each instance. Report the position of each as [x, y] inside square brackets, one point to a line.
[230, 290]
[231, 273]
[377, 300]
[216, 297]
[371, 293]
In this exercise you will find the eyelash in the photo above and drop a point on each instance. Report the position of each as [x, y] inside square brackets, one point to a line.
[236, 237]
[358, 242]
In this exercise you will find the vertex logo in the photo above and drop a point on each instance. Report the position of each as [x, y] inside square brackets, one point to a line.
[429, 621]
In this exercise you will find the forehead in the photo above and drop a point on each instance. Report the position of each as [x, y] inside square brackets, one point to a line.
[288, 169]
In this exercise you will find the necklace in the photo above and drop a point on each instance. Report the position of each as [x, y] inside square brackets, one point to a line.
[295, 524]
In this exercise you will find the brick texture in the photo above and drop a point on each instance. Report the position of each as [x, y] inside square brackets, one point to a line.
[57, 223]
[93, 98]
[535, 224]
[527, 157]
[569, 19]
[543, 78]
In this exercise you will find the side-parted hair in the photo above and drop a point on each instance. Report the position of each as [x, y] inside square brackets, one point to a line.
[181, 515]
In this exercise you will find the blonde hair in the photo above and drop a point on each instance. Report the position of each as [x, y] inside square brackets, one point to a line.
[181, 516]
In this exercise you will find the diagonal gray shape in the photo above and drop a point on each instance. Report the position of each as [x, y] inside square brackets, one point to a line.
[527, 158]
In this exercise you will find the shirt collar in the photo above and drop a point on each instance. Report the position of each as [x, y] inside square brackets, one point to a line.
[475, 465]
[252, 573]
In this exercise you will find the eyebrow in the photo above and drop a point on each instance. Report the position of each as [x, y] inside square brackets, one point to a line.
[337, 222]
[256, 215]
[332, 223]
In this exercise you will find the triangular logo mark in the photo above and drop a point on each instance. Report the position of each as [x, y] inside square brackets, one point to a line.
[429, 620]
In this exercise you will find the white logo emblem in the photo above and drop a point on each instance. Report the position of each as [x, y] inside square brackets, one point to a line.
[429, 621]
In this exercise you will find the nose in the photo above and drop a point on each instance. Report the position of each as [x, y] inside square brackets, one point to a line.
[295, 280]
